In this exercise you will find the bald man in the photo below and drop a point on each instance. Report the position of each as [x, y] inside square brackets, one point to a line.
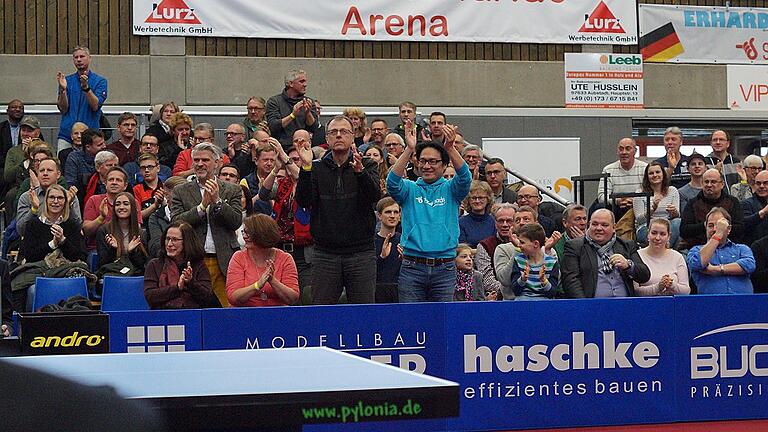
[600, 264]
[695, 213]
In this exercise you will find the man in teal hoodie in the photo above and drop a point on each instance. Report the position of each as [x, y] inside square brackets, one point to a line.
[430, 216]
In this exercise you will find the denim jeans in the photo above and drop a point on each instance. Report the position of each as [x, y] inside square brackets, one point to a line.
[331, 273]
[674, 235]
[422, 283]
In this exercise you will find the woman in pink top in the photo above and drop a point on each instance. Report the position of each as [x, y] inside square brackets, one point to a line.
[669, 272]
[262, 275]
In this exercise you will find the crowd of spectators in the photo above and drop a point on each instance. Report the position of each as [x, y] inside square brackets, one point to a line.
[294, 211]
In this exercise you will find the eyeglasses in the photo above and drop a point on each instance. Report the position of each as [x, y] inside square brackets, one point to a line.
[471, 157]
[296, 159]
[255, 108]
[527, 197]
[493, 173]
[761, 183]
[228, 133]
[394, 144]
[478, 198]
[174, 239]
[228, 174]
[754, 168]
[339, 131]
[56, 198]
[148, 167]
[431, 162]
[505, 221]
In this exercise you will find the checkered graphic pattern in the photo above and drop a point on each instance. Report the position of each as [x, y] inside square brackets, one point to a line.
[158, 338]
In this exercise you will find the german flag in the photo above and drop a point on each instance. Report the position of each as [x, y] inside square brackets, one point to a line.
[661, 45]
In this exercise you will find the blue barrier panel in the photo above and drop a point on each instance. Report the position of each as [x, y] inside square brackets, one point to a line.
[411, 336]
[722, 356]
[562, 363]
[155, 331]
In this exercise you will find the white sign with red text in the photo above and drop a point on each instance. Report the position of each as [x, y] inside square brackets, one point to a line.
[748, 87]
[609, 22]
[603, 81]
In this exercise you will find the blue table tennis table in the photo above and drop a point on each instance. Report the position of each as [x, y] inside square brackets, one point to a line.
[260, 389]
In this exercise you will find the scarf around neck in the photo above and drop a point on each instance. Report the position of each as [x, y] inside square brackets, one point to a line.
[603, 252]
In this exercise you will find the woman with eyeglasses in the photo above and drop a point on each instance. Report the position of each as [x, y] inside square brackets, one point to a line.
[178, 279]
[51, 229]
[262, 274]
[478, 223]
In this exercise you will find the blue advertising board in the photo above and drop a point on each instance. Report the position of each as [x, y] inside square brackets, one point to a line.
[155, 331]
[722, 357]
[562, 363]
[520, 365]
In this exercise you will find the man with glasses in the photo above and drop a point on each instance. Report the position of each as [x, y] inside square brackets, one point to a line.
[473, 155]
[529, 196]
[149, 193]
[721, 159]
[340, 190]
[230, 174]
[495, 174]
[756, 210]
[504, 218]
[126, 146]
[149, 144]
[692, 228]
[746, 185]
[203, 133]
[238, 149]
[430, 209]
[379, 130]
[254, 119]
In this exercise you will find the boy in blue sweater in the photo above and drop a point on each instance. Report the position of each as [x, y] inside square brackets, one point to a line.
[430, 216]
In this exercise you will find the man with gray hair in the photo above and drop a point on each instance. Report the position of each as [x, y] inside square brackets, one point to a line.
[104, 161]
[747, 171]
[675, 162]
[292, 109]
[473, 156]
[504, 219]
[81, 96]
[214, 210]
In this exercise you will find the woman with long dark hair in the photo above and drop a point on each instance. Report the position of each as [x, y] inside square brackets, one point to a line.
[178, 279]
[665, 203]
[122, 237]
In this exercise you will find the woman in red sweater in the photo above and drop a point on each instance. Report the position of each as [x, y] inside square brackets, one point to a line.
[262, 275]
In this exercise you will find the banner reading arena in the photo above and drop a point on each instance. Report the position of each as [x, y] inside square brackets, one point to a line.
[536, 21]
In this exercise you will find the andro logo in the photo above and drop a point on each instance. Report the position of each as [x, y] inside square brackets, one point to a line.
[156, 338]
[577, 355]
[712, 362]
[172, 12]
[73, 340]
[620, 60]
[601, 20]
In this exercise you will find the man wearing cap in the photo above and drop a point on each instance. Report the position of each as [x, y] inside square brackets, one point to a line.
[81, 96]
[697, 164]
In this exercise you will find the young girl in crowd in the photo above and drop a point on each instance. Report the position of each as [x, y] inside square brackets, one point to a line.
[122, 238]
[535, 274]
[669, 272]
[469, 283]
[665, 203]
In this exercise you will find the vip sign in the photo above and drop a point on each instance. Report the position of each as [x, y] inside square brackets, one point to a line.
[748, 87]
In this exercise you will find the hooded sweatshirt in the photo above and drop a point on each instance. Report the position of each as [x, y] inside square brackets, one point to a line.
[430, 213]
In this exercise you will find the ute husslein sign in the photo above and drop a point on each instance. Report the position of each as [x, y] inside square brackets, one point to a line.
[541, 21]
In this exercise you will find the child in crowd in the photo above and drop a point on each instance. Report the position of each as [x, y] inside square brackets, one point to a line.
[535, 275]
[469, 282]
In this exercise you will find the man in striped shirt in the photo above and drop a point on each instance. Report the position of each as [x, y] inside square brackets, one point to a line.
[626, 176]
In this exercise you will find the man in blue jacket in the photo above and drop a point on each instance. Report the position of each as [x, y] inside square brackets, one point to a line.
[430, 215]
